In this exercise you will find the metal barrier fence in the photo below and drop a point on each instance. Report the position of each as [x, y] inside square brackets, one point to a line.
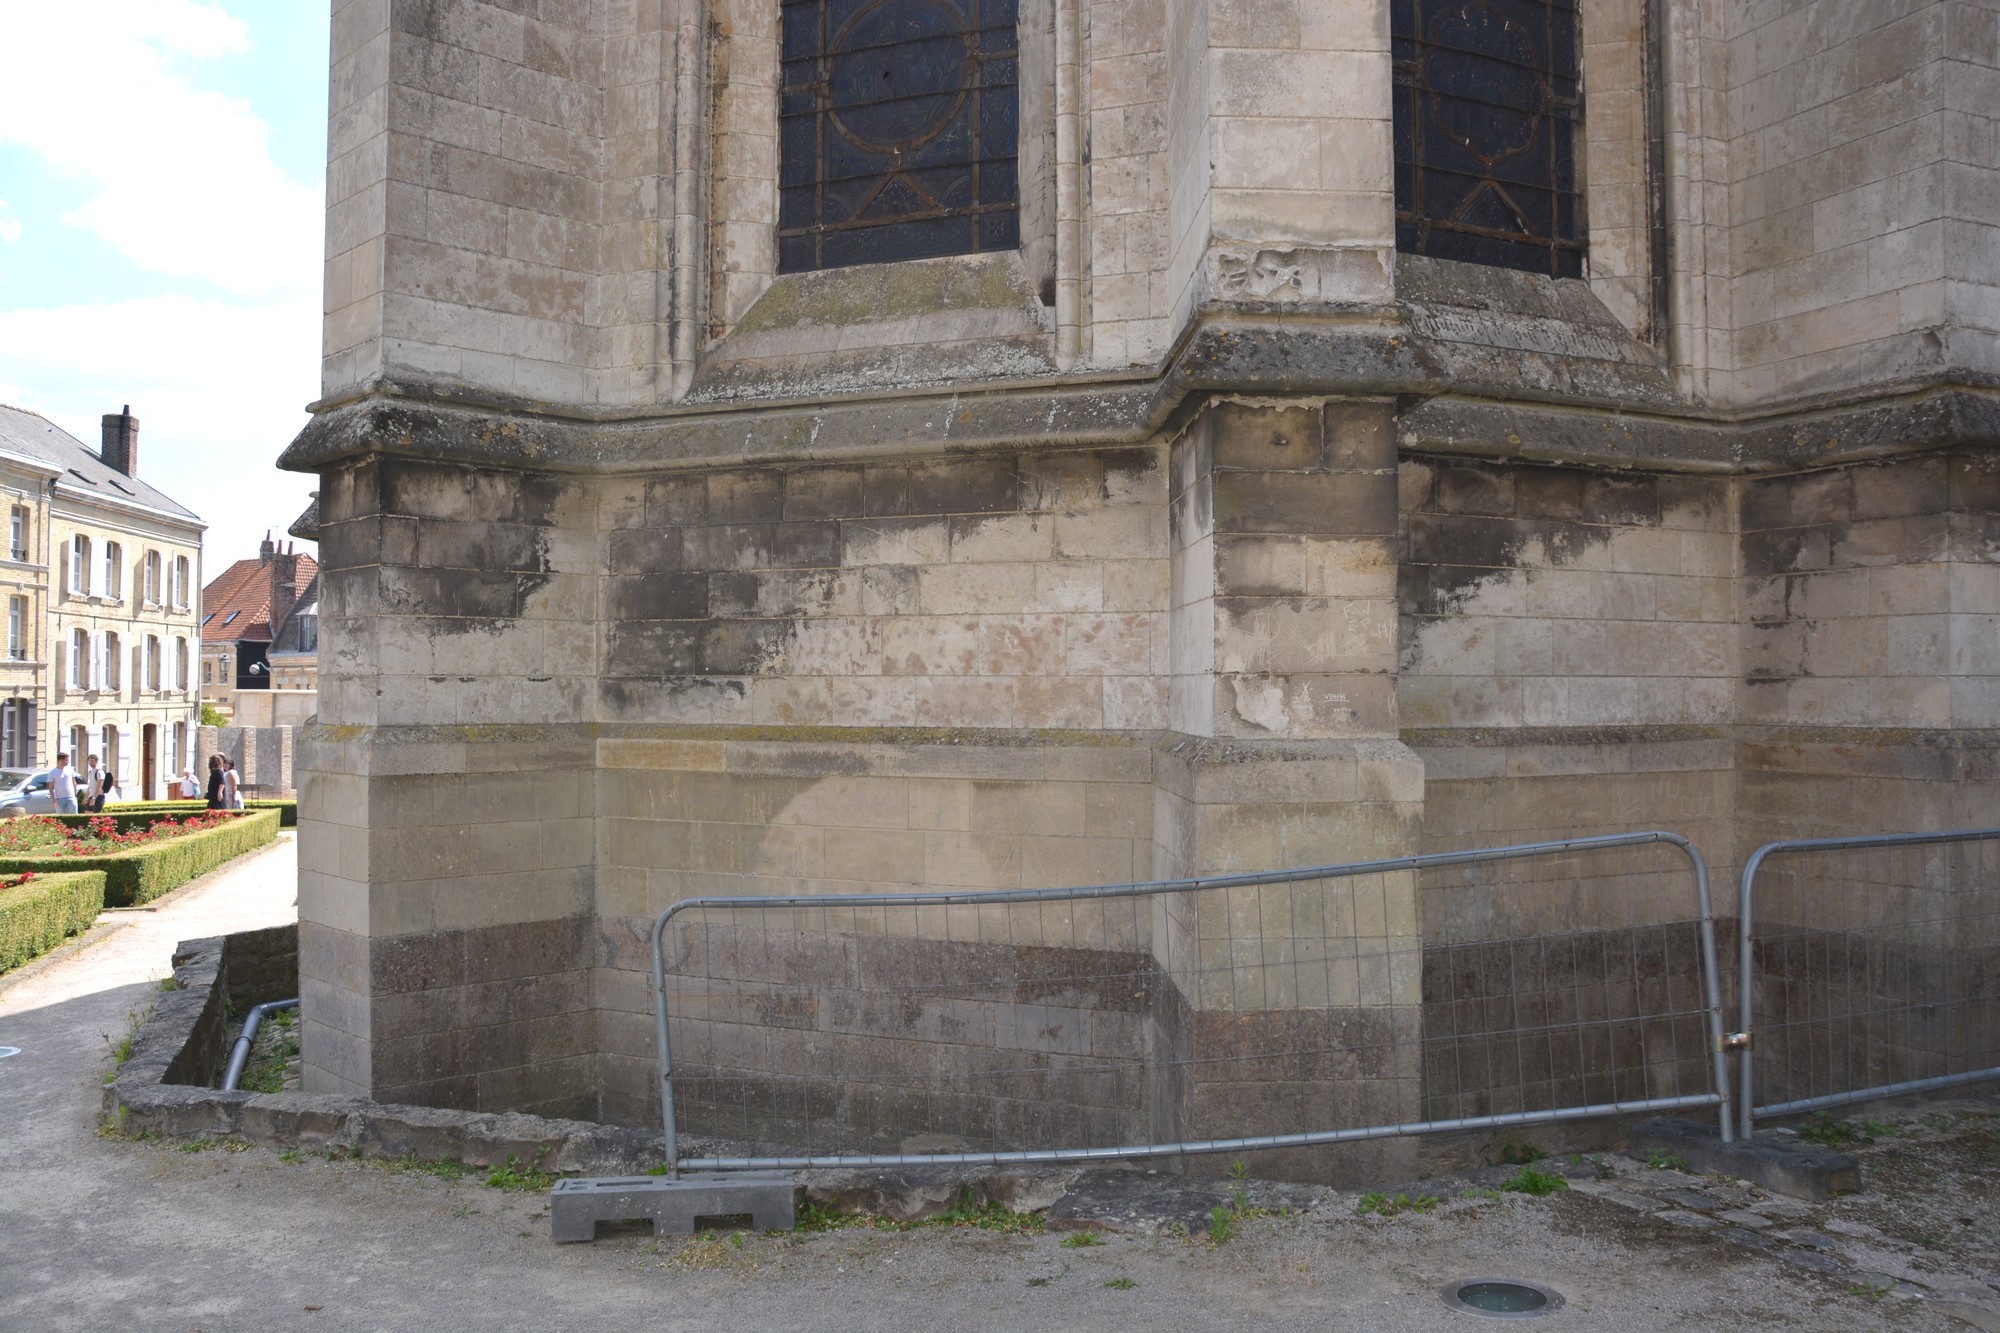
[1870, 967]
[1284, 1009]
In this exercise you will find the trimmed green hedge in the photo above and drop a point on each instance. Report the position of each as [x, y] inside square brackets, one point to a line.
[131, 813]
[140, 874]
[44, 912]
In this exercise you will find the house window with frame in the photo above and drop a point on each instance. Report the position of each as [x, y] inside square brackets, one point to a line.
[112, 675]
[17, 628]
[181, 571]
[17, 733]
[1488, 102]
[79, 659]
[180, 663]
[153, 663]
[79, 566]
[153, 577]
[207, 672]
[79, 746]
[18, 533]
[114, 581]
[110, 749]
[897, 131]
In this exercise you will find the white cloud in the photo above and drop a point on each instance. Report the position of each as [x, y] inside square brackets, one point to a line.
[183, 179]
[219, 390]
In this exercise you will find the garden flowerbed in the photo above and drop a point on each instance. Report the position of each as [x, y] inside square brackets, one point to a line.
[141, 856]
[40, 911]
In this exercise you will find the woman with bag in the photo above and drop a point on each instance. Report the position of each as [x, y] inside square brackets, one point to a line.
[232, 787]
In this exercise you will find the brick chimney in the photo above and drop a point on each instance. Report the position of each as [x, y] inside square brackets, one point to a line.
[121, 442]
[284, 568]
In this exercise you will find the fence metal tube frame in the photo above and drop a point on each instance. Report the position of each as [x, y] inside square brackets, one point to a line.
[1748, 1110]
[1719, 1068]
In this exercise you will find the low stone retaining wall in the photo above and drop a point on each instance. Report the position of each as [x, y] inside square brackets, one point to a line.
[166, 1086]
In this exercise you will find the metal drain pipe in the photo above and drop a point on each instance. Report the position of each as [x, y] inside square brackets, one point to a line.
[241, 1055]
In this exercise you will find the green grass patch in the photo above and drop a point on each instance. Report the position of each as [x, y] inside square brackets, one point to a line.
[41, 909]
[988, 1216]
[1534, 1181]
[1389, 1205]
[272, 1052]
[1830, 1133]
[139, 874]
[513, 1175]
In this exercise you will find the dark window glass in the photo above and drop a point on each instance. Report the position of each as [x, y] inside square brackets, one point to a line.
[1487, 106]
[897, 131]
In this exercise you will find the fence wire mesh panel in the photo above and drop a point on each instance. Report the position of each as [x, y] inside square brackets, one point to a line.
[1275, 1010]
[1873, 967]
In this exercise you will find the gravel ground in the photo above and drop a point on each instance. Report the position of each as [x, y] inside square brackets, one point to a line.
[99, 1232]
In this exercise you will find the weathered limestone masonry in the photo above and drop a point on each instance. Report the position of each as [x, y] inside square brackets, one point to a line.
[1230, 518]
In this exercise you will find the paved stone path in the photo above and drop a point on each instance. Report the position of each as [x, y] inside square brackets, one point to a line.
[100, 1233]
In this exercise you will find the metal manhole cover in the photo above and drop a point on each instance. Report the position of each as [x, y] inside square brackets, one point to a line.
[1500, 1297]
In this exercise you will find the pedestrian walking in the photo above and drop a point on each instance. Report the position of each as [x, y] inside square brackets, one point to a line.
[93, 786]
[62, 785]
[216, 782]
[188, 789]
[232, 786]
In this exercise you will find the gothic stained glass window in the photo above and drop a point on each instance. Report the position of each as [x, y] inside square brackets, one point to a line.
[897, 129]
[1487, 103]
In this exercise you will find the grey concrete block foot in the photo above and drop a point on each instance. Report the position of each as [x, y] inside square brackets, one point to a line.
[1783, 1166]
[673, 1204]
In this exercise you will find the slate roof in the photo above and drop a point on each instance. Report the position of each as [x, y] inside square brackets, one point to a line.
[236, 604]
[83, 473]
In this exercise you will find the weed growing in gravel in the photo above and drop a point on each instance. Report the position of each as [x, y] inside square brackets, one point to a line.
[1239, 1173]
[121, 1047]
[512, 1175]
[1662, 1160]
[444, 1168]
[1388, 1205]
[989, 1216]
[1533, 1181]
[1831, 1133]
[710, 1249]
[276, 1046]
[1053, 1277]
[112, 1126]
[1519, 1154]
[1221, 1225]
[1873, 1291]
[1081, 1240]
[1491, 1196]
[1121, 1284]
[170, 982]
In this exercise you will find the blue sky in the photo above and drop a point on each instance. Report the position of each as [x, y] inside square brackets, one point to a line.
[160, 246]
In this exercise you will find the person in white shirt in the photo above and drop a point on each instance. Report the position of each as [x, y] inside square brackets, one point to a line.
[93, 786]
[62, 785]
[190, 790]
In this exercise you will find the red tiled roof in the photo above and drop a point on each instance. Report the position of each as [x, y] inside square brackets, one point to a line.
[245, 589]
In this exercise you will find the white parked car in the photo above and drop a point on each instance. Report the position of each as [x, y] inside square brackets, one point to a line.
[25, 794]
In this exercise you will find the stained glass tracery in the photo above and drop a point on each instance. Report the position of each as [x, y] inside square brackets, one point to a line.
[1487, 102]
[897, 131]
